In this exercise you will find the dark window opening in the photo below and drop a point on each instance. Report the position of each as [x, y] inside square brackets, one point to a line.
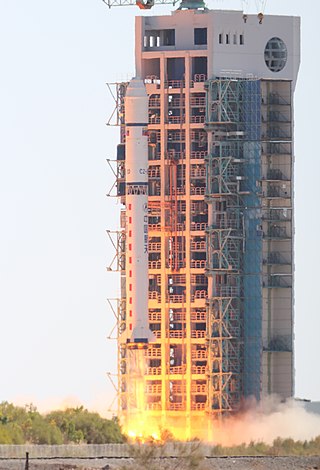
[175, 68]
[241, 39]
[200, 36]
[158, 38]
[227, 39]
[220, 39]
[169, 37]
[199, 68]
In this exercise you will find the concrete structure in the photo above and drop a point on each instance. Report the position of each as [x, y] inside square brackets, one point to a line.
[220, 210]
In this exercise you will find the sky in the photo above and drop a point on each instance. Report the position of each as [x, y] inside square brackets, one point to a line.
[56, 58]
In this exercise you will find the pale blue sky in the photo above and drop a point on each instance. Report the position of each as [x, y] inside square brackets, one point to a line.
[55, 60]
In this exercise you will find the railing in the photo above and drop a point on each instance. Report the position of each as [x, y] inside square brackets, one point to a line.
[176, 103]
[154, 352]
[176, 119]
[180, 191]
[154, 227]
[157, 333]
[176, 298]
[178, 317]
[178, 388]
[178, 278]
[199, 388]
[200, 354]
[154, 316]
[226, 291]
[198, 406]
[198, 316]
[176, 406]
[197, 101]
[154, 370]
[198, 154]
[154, 172]
[154, 295]
[226, 224]
[178, 334]
[197, 119]
[197, 190]
[155, 264]
[177, 369]
[154, 103]
[198, 370]
[154, 119]
[174, 84]
[198, 172]
[198, 263]
[154, 246]
[196, 135]
[175, 155]
[198, 226]
[154, 388]
[199, 294]
[179, 263]
[198, 334]
[202, 246]
[199, 77]
[181, 227]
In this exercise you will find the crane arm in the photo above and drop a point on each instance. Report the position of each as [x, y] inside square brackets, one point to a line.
[143, 4]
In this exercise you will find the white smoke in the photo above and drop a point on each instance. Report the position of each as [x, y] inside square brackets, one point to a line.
[267, 420]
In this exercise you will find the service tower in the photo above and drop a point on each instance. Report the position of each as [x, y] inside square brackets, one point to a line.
[220, 212]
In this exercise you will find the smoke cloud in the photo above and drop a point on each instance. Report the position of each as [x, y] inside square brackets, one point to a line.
[267, 420]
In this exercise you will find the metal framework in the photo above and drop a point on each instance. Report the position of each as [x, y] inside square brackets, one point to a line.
[220, 242]
[231, 182]
[144, 5]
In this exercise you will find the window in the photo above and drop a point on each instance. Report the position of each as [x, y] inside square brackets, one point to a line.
[227, 39]
[234, 39]
[169, 37]
[158, 38]
[241, 39]
[220, 39]
[275, 54]
[200, 36]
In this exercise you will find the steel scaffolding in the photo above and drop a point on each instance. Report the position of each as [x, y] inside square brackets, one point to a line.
[233, 248]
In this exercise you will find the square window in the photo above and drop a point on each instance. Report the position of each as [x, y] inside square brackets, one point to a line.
[200, 36]
[169, 37]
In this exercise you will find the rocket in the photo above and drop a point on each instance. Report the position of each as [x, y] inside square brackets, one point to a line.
[136, 177]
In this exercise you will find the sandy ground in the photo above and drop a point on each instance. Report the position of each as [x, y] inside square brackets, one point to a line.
[217, 463]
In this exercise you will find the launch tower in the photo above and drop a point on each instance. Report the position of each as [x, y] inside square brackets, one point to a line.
[220, 212]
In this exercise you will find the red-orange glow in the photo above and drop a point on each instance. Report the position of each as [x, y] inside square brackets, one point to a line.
[144, 425]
